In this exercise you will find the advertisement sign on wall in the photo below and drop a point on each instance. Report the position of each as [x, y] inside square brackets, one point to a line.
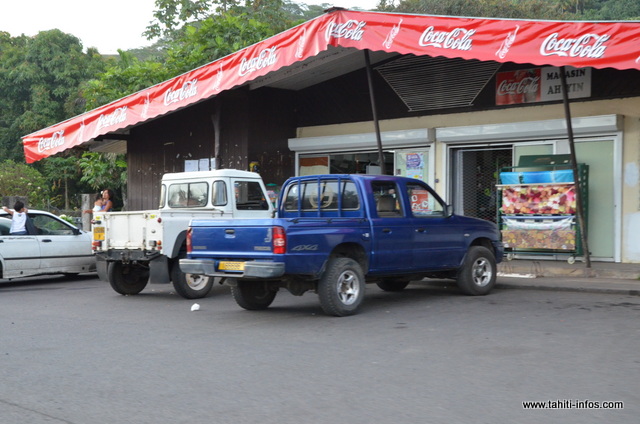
[541, 85]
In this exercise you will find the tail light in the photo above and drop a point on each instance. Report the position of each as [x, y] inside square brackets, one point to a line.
[96, 244]
[189, 232]
[279, 240]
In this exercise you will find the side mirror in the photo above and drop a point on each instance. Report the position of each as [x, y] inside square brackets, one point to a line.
[448, 211]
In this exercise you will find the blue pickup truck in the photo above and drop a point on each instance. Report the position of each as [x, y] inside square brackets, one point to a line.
[334, 233]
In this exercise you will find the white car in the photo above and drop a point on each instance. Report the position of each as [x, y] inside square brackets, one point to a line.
[58, 248]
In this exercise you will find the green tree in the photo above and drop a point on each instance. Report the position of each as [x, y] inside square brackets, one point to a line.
[20, 179]
[63, 173]
[520, 9]
[214, 38]
[39, 79]
[122, 77]
[105, 170]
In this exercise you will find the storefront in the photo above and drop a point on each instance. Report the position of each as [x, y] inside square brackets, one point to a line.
[457, 99]
[462, 162]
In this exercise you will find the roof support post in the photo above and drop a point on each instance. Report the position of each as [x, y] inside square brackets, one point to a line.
[574, 165]
[374, 111]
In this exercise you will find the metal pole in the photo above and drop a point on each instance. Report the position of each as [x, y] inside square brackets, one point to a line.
[574, 165]
[374, 111]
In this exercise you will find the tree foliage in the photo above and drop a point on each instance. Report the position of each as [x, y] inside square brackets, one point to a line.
[106, 170]
[20, 179]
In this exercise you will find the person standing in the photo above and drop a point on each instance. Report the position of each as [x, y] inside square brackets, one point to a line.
[18, 218]
[107, 200]
[97, 205]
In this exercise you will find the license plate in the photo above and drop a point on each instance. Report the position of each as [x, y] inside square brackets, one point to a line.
[98, 233]
[231, 266]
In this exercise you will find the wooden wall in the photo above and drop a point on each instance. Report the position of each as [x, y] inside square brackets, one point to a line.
[254, 126]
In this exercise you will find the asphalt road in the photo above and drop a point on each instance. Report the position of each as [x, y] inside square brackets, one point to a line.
[74, 351]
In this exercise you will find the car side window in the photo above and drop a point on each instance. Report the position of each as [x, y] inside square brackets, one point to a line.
[188, 195]
[218, 193]
[50, 226]
[249, 196]
[423, 203]
[385, 194]
[5, 226]
[163, 196]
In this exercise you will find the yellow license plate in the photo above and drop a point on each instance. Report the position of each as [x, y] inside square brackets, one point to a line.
[231, 266]
[98, 233]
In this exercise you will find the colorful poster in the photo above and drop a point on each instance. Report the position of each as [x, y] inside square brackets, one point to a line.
[539, 199]
[420, 202]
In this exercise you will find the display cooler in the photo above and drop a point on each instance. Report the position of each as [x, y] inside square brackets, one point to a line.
[537, 206]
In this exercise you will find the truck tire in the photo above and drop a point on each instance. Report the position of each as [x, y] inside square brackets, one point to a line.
[393, 284]
[190, 286]
[253, 295]
[341, 288]
[127, 279]
[478, 273]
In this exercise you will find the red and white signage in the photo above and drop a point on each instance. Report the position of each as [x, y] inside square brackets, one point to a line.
[541, 85]
[542, 43]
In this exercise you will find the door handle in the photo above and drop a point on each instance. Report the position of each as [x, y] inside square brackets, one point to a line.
[421, 230]
[386, 230]
[47, 240]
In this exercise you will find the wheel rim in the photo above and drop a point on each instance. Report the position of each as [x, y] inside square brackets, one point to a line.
[195, 281]
[348, 288]
[481, 272]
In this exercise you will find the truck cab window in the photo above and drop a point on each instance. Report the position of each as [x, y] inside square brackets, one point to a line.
[387, 203]
[188, 195]
[249, 196]
[423, 202]
[218, 193]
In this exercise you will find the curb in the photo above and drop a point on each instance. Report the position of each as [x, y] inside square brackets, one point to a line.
[538, 269]
[533, 285]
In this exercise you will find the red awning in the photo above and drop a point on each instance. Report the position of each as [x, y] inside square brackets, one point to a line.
[577, 44]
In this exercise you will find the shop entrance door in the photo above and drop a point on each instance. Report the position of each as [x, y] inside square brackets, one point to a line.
[474, 179]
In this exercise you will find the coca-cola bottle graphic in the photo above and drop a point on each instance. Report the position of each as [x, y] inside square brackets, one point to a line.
[506, 44]
[392, 34]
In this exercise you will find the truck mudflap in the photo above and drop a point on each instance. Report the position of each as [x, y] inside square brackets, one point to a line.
[235, 269]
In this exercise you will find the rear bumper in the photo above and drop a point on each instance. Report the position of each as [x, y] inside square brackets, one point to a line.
[252, 269]
[128, 255]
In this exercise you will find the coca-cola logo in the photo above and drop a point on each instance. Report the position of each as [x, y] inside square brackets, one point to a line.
[218, 79]
[302, 43]
[587, 45]
[388, 42]
[267, 57]
[118, 116]
[524, 86]
[350, 30]
[48, 143]
[189, 89]
[145, 106]
[458, 39]
[507, 43]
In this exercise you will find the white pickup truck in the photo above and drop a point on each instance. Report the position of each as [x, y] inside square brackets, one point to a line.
[134, 248]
